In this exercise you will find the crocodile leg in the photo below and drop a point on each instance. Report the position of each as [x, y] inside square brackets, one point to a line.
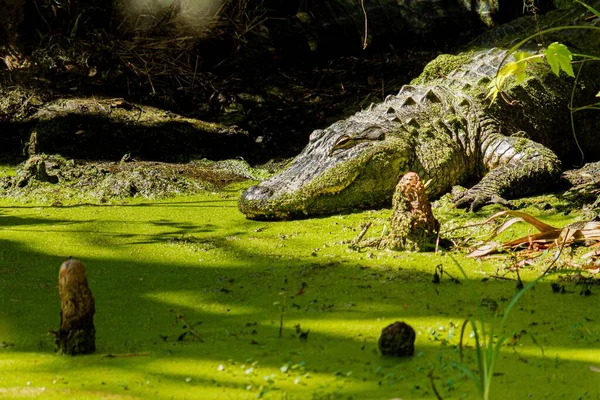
[517, 167]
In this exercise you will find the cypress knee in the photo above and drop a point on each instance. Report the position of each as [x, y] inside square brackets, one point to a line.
[397, 339]
[77, 334]
[413, 226]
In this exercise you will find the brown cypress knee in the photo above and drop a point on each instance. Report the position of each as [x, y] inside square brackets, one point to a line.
[412, 224]
[397, 339]
[77, 334]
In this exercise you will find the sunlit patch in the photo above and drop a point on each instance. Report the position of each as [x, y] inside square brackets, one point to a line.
[26, 391]
[251, 376]
[586, 355]
[361, 328]
[196, 301]
[191, 16]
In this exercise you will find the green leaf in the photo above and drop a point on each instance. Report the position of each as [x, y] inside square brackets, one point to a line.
[559, 57]
[521, 67]
[515, 68]
[591, 9]
[495, 86]
[494, 89]
[468, 372]
[521, 56]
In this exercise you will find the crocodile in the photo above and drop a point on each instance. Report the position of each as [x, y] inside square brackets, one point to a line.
[444, 129]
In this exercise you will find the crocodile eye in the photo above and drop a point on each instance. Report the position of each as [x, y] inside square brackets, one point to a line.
[343, 142]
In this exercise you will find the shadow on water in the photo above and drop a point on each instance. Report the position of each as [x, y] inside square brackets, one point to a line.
[137, 303]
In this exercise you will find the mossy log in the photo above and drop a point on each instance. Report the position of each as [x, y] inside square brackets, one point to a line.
[92, 128]
[77, 334]
[412, 224]
[35, 168]
[109, 128]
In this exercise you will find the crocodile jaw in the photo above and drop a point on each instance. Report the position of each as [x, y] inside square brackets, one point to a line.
[296, 192]
[317, 183]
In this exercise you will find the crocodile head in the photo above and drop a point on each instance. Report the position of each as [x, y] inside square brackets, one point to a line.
[347, 166]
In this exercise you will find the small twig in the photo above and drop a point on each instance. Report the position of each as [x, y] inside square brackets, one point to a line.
[190, 327]
[519, 281]
[41, 15]
[439, 268]
[460, 344]
[467, 238]
[126, 355]
[195, 72]
[362, 233]
[435, 391]
[362, 5]
[504, 278]
[381, 243]
[562, 246]
[282, 294]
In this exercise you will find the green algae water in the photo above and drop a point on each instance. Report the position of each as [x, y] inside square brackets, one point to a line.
[278, 310]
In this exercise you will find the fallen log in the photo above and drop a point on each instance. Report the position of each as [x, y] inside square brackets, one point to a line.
[91, 128]
[109, 128]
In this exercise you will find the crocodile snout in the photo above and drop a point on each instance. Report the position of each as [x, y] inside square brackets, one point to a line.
[257, 193]
[254, 202]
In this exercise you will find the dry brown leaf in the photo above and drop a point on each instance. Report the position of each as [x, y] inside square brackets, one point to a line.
[593, 253]
[540, 238]
[549, 236]
[486, 249]
[506, 225]
[539, 225]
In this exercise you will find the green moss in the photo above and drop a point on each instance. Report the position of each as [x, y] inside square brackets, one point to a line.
[441, 67]
[68, 181]
[201, 258]
[7, 171]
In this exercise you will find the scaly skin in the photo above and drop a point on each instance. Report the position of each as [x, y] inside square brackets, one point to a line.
[444, 130]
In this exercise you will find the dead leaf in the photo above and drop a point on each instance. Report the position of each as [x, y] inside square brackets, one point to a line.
[490, 248]
[579, 232]
[539, 225]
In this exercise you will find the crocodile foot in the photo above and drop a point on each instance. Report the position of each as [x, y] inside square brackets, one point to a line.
[475, 199]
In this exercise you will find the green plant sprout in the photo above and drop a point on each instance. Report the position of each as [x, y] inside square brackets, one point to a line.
[558, 57]
[486, 348]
